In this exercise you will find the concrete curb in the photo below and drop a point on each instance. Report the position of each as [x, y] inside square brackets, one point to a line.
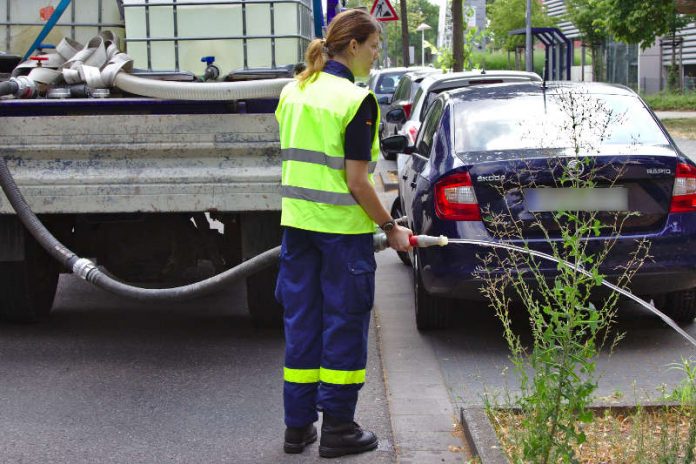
[481, 436]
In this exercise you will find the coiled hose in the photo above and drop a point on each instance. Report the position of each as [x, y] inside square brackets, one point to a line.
[88, 270]
[267, 88]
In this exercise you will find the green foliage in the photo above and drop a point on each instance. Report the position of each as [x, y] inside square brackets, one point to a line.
[470, 58]
[589, 17]
[508, 15]
[669, 101]
[642, 21]
[568, 325]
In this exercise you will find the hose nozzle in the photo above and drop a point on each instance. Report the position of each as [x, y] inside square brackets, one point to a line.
[421, 241]
[425, 241]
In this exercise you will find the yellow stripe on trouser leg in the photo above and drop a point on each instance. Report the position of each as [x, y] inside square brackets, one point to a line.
[341, 377]
[300, 375]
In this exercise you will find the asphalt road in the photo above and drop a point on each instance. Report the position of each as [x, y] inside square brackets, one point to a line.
[107, 380]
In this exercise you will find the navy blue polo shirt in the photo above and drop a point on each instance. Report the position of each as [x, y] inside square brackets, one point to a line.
[361, 130]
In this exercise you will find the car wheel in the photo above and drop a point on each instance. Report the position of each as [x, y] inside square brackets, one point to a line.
[396, 213]
[680, 306]
[431, 312]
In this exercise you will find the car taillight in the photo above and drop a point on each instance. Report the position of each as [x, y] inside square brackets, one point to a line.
[407, 109]
[412, 132]
[455, 199]
[684, 193]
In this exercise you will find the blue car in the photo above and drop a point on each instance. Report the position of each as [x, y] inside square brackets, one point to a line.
[479, 144]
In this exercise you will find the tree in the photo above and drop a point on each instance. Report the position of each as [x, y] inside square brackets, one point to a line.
[643, 21]
[404, 31]
[457, 35]
[507, 15]
[589, 17]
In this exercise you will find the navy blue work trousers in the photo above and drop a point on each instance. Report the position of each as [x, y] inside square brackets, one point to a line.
[326, 285]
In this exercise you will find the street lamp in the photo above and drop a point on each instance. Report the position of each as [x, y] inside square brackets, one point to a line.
[422, 28]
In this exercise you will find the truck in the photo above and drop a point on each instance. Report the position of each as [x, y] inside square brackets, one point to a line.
[157, 191]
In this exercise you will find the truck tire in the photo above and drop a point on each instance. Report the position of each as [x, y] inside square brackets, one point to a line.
[260, 232]
[28, 287]
[432, 312]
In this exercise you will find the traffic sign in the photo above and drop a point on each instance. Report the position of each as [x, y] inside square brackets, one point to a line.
[383, 11]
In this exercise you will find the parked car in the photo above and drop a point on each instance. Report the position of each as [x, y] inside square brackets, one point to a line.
[383, 83]
[402, 100]
[433, 85]
[477, 146]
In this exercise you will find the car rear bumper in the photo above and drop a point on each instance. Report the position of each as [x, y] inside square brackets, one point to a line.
[452, 271]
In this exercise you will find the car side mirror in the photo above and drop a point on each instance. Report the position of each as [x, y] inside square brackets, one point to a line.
[397, 144]
[396, 116]
[383, 100]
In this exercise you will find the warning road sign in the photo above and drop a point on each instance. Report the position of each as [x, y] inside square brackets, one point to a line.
[383, 11]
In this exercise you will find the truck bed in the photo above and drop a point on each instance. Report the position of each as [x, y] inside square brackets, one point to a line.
[141, 155]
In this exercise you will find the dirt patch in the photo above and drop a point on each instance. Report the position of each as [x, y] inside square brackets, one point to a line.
[684, 128]
[619, 436]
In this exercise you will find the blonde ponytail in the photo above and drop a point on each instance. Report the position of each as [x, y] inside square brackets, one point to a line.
[346, 26]
[316, 59]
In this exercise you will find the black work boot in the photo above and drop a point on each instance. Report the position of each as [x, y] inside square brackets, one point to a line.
[341, 438]
[296, 438]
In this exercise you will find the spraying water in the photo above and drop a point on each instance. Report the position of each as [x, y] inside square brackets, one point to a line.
[613, 287]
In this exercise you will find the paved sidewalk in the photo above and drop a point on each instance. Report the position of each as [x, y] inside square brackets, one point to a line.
[675, 114]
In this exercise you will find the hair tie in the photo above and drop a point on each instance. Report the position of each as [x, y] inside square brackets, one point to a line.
[324, 48]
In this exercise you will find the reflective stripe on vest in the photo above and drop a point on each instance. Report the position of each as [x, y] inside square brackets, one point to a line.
[318, 196]
[315, 157]
[312, 120]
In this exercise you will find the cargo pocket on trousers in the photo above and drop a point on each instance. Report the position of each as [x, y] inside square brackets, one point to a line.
[363, 275]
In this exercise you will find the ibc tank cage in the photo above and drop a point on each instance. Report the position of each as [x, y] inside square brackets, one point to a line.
[22, 20]
[174, 35]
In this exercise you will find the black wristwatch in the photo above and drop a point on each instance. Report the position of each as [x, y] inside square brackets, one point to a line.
[387, 226]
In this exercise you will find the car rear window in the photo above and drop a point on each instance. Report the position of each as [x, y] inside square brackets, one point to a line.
[387, 82]
[561, 120]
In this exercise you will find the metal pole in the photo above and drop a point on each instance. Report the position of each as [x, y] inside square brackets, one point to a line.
[528, 43]
[423, 47]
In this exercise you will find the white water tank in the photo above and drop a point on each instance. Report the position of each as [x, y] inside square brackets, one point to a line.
[22, 20]
[169, 35]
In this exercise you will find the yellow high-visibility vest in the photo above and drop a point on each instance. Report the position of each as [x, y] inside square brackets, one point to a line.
[313, 121]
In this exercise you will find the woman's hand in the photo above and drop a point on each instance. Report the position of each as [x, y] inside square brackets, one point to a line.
[398, 238]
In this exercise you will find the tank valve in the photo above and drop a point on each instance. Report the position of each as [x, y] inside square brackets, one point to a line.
[212, 72]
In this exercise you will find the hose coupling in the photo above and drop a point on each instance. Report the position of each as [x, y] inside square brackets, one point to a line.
[83, 267]
[26, 87]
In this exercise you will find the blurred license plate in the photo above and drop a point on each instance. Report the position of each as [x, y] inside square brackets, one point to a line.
[576, 199]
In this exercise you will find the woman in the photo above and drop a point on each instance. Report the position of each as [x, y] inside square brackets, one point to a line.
[329, 211]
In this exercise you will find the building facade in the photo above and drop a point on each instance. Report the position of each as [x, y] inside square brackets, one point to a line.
[644, 70]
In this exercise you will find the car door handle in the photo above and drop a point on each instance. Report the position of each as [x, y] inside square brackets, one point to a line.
[405, 177]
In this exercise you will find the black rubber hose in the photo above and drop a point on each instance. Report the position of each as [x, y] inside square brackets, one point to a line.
[8, 88]
[86, 269]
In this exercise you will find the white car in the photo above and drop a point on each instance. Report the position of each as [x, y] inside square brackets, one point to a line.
[433, 85]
